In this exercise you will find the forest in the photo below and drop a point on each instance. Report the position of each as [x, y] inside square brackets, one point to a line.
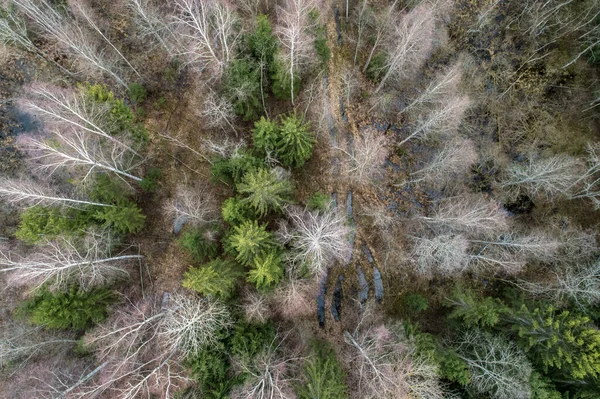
[300, 199]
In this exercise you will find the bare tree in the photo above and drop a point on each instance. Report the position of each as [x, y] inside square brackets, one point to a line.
[388, 368]
[410, 44]
[383, 22]
[145, 343]
[255, 306]
[85, 12]
[31, 193]
[445, 254]
[498, 367]
[189, 206]
[268, 375]
[80, 151]
[453, 160]
[469, 214]
[13, 29]
[370, 151]
[588, 184]
[209, 30]
[363, 19]
[217, 111]
[64, 262]
[537, 245]
[296, 298]
[62, 109]
[549, 176]
[20, 343]
[316, 238]
[151, 23]
[72, 38]
[443, 120]
[444, 86]
[294, 22]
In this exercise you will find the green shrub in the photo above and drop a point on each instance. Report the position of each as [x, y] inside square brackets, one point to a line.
[376, 68]
[235, 212]
[249, 240]
[217, 277]
[323, 376]
[281, 83]
[231, 170]
[39, 222]
[318, 202]
[137, 93]
[200, 243]
[321, 48]
[267, 270]
[295, 144]
[76, 310]
[265, 135]
[415, 303]
[125, 217]
[248, 339]
[150, 181]
[242, 88]
[264, 191]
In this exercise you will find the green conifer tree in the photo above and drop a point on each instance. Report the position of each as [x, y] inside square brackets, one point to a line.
[267, 270]
[248, 241]
[217, 277]
[264, 191]
[295, 143]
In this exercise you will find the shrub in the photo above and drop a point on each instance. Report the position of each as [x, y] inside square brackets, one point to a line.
[137, 93]
[242, 88]
[218, 278]
[415, 303]
[281, 82]
[295, 144]
[231, 170]
[249, 240]
[200, 243]
[318, 202]
[264, 191]
[265, 135]
[235, 212]
[41, 222]
[150, 181]
[267, 270]
[248, 340]
[125, 217]
[323, 376]
[376, 68]
[74, 309]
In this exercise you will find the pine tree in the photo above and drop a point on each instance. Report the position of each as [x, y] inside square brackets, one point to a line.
[248, 241]
[559, 340]
[76, 310]
[295, 143]
[217, 277]
[264, 191]
[266, 271]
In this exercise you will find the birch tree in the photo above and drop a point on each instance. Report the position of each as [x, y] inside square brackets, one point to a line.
[61, 263]
[369, 152]
[79, 151]
[62, 109]
[209, 31]
[453, 160]
[294, 22]
[317, 239]
[442, 120]
[472, 214]
[383, 22]
[152, 23]
[195, 208]
[550, 176]
[31, 193]
[588, 184]
[410, 44]
[144, 344]
[72, 38]
[445, 254]
[498, 367]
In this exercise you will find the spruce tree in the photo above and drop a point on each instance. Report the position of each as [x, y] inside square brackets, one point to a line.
[264, 191]
[217, 277]
[267, 270]
[295, 143]
[248, 241]
[323, 375]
